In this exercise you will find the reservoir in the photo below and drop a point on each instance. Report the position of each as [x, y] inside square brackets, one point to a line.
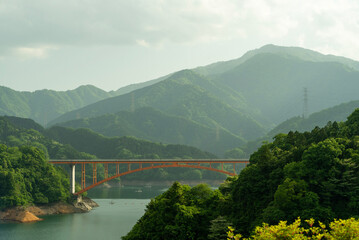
[120, 208]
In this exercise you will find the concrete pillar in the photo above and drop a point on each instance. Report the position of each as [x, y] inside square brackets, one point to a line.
[72, 178]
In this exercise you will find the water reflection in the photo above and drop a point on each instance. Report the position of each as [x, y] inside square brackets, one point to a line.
[128, 192]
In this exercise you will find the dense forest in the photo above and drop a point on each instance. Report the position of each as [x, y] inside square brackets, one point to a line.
[27, 178]
[66, 143]
[308, 175]
[88, 141]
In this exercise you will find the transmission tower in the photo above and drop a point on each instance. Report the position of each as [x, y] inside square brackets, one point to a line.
[305, 103]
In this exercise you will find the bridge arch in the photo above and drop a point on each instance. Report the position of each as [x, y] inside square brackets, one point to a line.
[148, 168]
[154, 164]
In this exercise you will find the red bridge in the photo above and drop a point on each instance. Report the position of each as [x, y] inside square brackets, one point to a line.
[141, 165]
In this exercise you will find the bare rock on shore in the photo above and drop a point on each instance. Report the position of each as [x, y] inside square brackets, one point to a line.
[18, 214]
[29, 214]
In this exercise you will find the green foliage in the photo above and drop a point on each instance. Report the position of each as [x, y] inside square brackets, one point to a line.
[311, 175]
[307, 175]
[16, 132]
[26, 177]
[176, 214]
[218, 228]
[339, 230]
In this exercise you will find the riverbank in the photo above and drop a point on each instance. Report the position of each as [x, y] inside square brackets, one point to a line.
[31, 213]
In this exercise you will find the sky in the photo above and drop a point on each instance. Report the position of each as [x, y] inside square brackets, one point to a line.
[62, 44]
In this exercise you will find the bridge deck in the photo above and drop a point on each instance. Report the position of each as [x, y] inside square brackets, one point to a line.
[143, 164]
[74, 161]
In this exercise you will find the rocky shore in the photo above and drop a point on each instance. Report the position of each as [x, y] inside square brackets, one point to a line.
[32, 213]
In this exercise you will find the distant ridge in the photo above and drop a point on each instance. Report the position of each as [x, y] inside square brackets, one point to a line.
[45, 105]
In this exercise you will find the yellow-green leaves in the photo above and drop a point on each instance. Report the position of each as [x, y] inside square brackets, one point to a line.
[338, 230]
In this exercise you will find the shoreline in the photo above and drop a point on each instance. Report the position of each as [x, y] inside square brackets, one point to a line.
[21, 214]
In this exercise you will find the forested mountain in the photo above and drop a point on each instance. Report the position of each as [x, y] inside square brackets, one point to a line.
[237, 100]
[45, 105]
[66, 143]
[185, 94]
[245, 96]
[27, 178]
[17, 132]
[121, 147]
[154, 125]
[224, 66]
[274, 84]
[337, 113]
[132, 148]
[307, 175]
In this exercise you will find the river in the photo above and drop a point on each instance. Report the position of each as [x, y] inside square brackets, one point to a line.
[120, 208]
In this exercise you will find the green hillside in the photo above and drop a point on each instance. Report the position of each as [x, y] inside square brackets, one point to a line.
[45, 105]
[121, 147]
[337, 113]
[274, 84]
[154, 125]
[300, 175]
[184, 94]
[17, 132]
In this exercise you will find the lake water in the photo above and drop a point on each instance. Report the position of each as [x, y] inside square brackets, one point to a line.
[119, 210]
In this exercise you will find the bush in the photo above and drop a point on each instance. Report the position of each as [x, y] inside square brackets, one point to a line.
[339, 230]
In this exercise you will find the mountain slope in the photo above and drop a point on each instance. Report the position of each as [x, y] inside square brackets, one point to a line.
[185, 94]
[274, 84]
[294, 52]
[16, 132]
[154, 125]
[121, 147]
[45, 105]
[337, 113]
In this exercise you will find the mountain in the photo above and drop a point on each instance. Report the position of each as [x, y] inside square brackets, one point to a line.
[135, 86]
[17, 132]
[242, 98]
[224, 66]
[154, 125]
[274, 84]
[121, 147]
[45, 105]
[24, 123]
[319, 119]
[184, 94]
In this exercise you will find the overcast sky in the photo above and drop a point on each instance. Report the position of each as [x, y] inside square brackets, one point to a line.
[62, 44]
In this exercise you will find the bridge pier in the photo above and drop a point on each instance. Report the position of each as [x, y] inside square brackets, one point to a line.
[72, 179]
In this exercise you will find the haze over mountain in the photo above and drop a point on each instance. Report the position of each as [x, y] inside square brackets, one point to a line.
[245, 96]
[154, 125]
[45, 105]
[241, 99]
[337, 113]
[185, 94]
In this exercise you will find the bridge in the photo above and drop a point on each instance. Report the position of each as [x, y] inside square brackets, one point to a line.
[137, 165]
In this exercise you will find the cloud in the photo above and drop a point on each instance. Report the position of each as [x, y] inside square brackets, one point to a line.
[25, 25]
[32, 52]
